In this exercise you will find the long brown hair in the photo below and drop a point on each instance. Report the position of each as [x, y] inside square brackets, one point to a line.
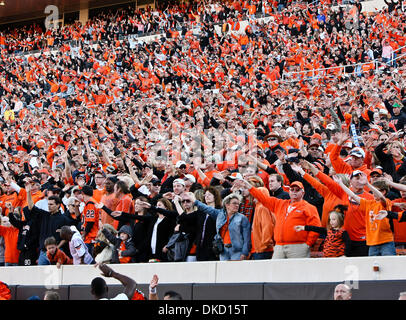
[217, 196]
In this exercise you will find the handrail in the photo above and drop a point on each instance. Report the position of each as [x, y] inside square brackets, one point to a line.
[344, 66]
[376, 62]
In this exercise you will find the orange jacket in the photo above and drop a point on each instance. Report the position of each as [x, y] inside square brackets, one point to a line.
[59, 256]
[340, 166]
[10, 235]
[263, 226]
[330, 199]
[288, 215]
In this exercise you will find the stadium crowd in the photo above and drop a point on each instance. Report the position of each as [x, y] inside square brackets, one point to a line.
[211, 142]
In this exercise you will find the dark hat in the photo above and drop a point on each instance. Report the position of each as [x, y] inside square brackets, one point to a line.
[278, 147]
[156, 182]
[293, 151]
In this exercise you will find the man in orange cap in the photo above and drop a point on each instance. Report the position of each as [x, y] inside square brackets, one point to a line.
[288, 242]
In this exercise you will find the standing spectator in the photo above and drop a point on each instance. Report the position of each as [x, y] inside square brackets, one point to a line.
[337, 242]
[232, 226]
[90, 218]
[288, 243]
[78, 249]
[27, 238]
[276, 187]
[124, 249]
[387, 52]
[199, 225]
[379, 236]
[161, 221]
[10, 235]
[262, 230]
[125, 203]
[49, 222]
[109, 199]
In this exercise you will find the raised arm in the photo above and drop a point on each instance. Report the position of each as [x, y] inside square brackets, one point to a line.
[348, 191]
[129, 284]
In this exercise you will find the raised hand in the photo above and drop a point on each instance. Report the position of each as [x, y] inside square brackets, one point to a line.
[154, 281]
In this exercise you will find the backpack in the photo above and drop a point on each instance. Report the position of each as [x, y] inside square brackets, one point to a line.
[178, 245]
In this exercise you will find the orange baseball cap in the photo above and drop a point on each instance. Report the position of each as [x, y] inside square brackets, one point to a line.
[297, 184]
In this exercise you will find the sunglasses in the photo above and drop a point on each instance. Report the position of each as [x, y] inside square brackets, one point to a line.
[186, 201]
[182, 166]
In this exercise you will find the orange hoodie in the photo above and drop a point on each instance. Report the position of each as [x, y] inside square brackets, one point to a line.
[288, 215]
[263, 226]
[10, 235]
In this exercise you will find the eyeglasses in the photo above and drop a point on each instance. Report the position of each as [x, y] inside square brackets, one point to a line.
[186, 201]
[234, 203]
[182, 166]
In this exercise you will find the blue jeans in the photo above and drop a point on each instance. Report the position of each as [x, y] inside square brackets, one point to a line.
[43, 259]
[90, 247]
[385, 249]
[230, 254]
[262, 255]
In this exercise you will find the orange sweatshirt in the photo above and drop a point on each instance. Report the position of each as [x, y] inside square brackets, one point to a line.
[10, 235]
[263, 226]
[288, 215]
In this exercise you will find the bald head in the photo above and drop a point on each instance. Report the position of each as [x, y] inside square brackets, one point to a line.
[342, 292]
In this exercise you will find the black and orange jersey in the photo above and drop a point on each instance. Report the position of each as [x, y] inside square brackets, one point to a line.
[90, 214]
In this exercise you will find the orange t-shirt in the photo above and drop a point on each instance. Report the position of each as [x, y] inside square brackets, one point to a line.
[377, 231]
[111, 202]
[125, 204]
[225, 233]
[98, 194]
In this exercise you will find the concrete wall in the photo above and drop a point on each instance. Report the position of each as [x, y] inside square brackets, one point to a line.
[312, 270]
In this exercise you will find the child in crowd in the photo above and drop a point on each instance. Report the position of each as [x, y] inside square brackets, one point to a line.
[124, 247]
[54, 254]
[337, 242]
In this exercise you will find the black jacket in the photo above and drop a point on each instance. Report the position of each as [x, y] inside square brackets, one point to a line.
[130, 250]
[28, 233]
[280, 194]
[165, 229]
[48, 223]
[201, 229]
[139, 232]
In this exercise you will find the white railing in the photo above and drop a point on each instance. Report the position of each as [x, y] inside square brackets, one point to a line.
[323, 72]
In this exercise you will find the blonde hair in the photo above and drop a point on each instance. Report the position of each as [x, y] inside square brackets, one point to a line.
[127, 179]
[100, 236]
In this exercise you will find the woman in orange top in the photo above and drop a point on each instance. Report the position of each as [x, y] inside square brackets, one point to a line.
[10, 235]
[262, 230]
